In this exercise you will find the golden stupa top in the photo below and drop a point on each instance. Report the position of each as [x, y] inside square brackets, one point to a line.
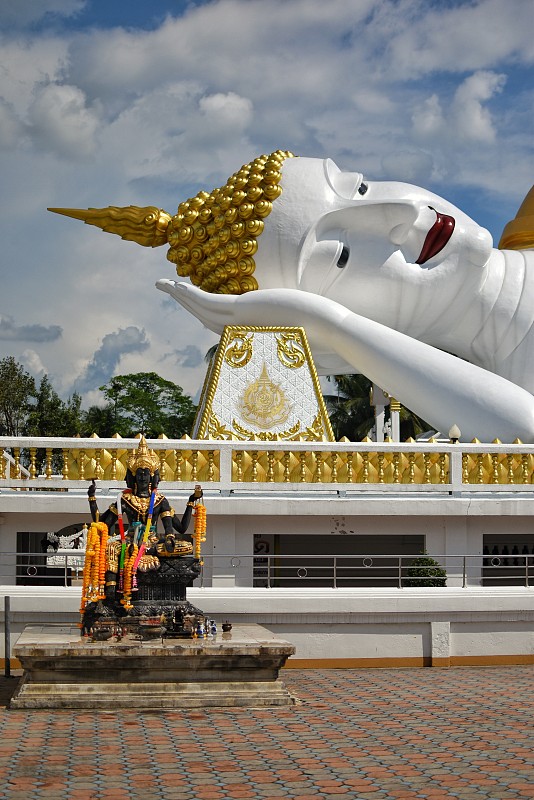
[518, 234]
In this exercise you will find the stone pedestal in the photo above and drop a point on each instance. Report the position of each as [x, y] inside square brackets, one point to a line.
[239, 668]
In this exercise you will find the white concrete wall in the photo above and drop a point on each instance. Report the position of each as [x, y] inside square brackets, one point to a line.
[356, 625]
[350, 627]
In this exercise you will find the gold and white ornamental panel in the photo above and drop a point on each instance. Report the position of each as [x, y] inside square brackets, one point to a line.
[262, 385]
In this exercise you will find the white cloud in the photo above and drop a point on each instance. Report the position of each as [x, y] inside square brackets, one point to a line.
[32, 362]
[394, 88]
[262, 46]
[413, 167]
[372, 100]
[28, 63]
[11, 128]
[466, 120]
[227, 111]
[106, 359]
[473, 120]
[464, 37]
[61, 122]
[19, 13]
[178, 133]
[428, 119]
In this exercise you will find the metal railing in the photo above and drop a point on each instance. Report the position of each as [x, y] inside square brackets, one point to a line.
[42, 569]
[271, 571]
[55, 464]
[400, 571]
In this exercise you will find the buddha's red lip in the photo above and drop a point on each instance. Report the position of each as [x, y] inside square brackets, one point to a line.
[437, 237]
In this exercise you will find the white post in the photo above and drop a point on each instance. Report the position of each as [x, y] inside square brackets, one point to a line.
[380, 400]
[394, 409]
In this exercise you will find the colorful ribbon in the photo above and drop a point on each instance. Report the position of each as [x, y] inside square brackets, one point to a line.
[145, 537]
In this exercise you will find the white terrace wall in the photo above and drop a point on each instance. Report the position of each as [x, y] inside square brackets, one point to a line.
[330, 626]
[347, 627]
[364, 499]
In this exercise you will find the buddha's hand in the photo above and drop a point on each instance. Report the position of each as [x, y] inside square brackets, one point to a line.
[91, 490]
[284, 307]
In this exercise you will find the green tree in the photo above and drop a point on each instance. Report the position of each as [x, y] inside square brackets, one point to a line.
[411, 425]
[73, 414]
[17, 397]
[51, 416]
[353, 416]
[350, 410]
[102, 420]
[145, 402]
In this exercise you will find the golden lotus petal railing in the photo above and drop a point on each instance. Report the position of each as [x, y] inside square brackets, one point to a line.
[49, 460]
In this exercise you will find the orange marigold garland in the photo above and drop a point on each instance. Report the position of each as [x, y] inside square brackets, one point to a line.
[94, 568]
[200, 527]
[102, 560]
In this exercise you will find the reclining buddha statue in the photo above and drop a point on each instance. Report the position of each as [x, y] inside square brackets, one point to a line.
[387, 278]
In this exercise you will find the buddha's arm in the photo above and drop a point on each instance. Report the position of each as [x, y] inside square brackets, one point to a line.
[441, 388]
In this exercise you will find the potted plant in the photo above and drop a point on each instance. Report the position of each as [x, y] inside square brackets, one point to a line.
[425, 571]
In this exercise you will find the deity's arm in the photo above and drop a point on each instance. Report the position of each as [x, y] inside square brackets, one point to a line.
[181, 525]
[109, 517]
[165, 513]
[441, 388]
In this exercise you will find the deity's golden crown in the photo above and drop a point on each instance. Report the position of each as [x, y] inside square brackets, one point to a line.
[143, 459]
[213, 236]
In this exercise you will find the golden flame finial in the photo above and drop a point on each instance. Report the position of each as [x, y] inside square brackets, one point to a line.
[147, 226]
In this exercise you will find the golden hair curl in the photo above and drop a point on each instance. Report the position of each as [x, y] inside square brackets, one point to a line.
[213, 237]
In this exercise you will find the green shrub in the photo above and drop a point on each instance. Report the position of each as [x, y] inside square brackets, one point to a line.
[425, 571]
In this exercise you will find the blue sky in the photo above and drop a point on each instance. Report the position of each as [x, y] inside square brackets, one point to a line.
[132, 102]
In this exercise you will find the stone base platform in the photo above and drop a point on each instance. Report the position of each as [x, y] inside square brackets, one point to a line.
[62, 670]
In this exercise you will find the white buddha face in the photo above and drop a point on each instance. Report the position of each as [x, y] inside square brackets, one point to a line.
[386, 250]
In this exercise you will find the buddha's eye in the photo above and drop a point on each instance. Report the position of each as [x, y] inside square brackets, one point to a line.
[343, 257]
[362, 188]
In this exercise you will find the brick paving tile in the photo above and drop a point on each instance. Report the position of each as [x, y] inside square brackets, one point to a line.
[292, 785]
[16, 794]
[459, 734]
[169, 795]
